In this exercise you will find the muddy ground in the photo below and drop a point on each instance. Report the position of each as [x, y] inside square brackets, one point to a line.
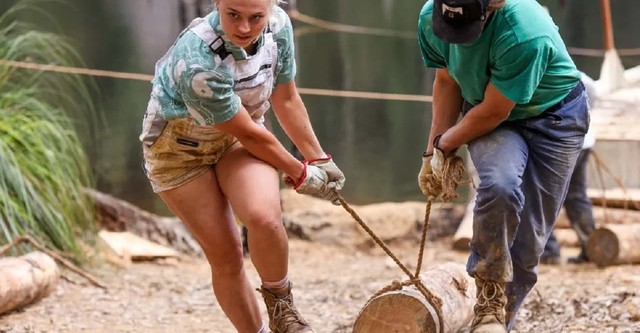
[331, 284]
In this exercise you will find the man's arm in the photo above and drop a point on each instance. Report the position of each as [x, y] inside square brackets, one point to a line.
[480, 120]
[294, 119]
[447, 102]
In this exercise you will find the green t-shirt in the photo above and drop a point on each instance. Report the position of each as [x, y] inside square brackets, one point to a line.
[191, 80]
[520, 52]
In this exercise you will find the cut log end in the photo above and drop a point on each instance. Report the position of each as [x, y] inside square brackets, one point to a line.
[398, 311]
[603, 247]
[407, 309]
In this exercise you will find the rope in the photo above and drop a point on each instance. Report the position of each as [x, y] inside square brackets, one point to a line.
[433, 299]
[354, 29]
[147, 78]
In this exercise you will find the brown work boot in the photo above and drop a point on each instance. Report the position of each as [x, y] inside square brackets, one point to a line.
[283, 315]
[490, 307]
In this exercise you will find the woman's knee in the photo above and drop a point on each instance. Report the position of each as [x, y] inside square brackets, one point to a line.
[230, 264]
[264, 222]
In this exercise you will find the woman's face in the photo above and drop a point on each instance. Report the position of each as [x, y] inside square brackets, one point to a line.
[243, 20]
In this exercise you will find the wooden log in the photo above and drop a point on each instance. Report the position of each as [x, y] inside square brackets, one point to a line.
[26, 279]
[118, 215]
[604, 216]
[567, 237]
[407, 310]
[614, 245]
[463, 235]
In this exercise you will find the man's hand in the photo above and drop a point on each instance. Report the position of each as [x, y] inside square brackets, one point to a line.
[437, 163]
[327, 165]
[314, 181]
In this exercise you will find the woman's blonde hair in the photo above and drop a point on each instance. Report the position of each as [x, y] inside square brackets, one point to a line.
[274, 2]
[494, 5]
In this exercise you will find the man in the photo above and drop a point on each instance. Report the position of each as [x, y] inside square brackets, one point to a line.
[577, 203]
[505, 66]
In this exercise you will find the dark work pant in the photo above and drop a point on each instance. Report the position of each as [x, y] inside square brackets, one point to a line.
[524, 168]
[578, 208]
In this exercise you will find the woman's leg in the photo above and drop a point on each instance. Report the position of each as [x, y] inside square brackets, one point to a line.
[252, 187]
[202, 206]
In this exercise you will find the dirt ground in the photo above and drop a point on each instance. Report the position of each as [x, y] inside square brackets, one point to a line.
[331, 285]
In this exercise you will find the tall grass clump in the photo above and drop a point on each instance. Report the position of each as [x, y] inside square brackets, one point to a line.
[43, 166]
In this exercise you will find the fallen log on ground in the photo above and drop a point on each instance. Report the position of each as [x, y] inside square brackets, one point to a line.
[26, 279]
[614, 245]
[118, 215]
[463, 235]
[567, 237]
[405, 309]
[318, 220]
[604, 216]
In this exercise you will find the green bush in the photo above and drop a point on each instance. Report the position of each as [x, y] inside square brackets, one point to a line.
[43, 167]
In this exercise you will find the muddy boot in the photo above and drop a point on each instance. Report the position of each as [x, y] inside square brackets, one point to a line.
[490, 307]
[283, 315]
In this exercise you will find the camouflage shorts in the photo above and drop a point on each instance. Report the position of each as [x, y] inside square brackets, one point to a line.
[181, 151]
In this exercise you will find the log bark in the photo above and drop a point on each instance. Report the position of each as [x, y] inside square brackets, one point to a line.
[118, 215]
[463, 235]
[406, 309]
[614, 245]
[26, 279]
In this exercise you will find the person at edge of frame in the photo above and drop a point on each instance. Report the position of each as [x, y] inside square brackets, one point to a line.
[505, 67]
[208, 154]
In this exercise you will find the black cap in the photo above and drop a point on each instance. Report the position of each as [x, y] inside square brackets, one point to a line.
[459, 21]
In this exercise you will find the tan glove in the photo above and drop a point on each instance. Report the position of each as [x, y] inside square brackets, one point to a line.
[314, 181]
[327, 165]
[425, 173]
[437, 163]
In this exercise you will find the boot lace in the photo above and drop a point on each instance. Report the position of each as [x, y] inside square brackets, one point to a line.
[285, 314]
[491, 301]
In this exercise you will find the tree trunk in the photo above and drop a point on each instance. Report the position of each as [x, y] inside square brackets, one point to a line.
[604, 216]
[463, 235]
[567, 237]
[406, 309]
[118, 215]
[614, 244]
[26, 279]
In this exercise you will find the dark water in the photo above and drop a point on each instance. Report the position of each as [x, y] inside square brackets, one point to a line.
[376, 142]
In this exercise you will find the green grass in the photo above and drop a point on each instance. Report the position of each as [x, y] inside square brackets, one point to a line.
[43, 167]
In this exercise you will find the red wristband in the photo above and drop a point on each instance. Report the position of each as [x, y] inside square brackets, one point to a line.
[324, 159]
[302, 176]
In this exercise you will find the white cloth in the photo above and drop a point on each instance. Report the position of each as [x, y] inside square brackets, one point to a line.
[590, 89]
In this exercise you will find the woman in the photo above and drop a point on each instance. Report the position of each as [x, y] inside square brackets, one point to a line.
[206, 150]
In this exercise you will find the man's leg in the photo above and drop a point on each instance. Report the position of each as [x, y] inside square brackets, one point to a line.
[554, 143]
[578, 205]
[500, 158]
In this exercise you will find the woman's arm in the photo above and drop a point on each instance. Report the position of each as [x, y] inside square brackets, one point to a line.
[262, 143]
[294, 119]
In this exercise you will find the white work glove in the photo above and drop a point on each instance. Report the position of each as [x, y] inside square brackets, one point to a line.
[327, 165]
[437, 163]
[425, 172]
[316, 182]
